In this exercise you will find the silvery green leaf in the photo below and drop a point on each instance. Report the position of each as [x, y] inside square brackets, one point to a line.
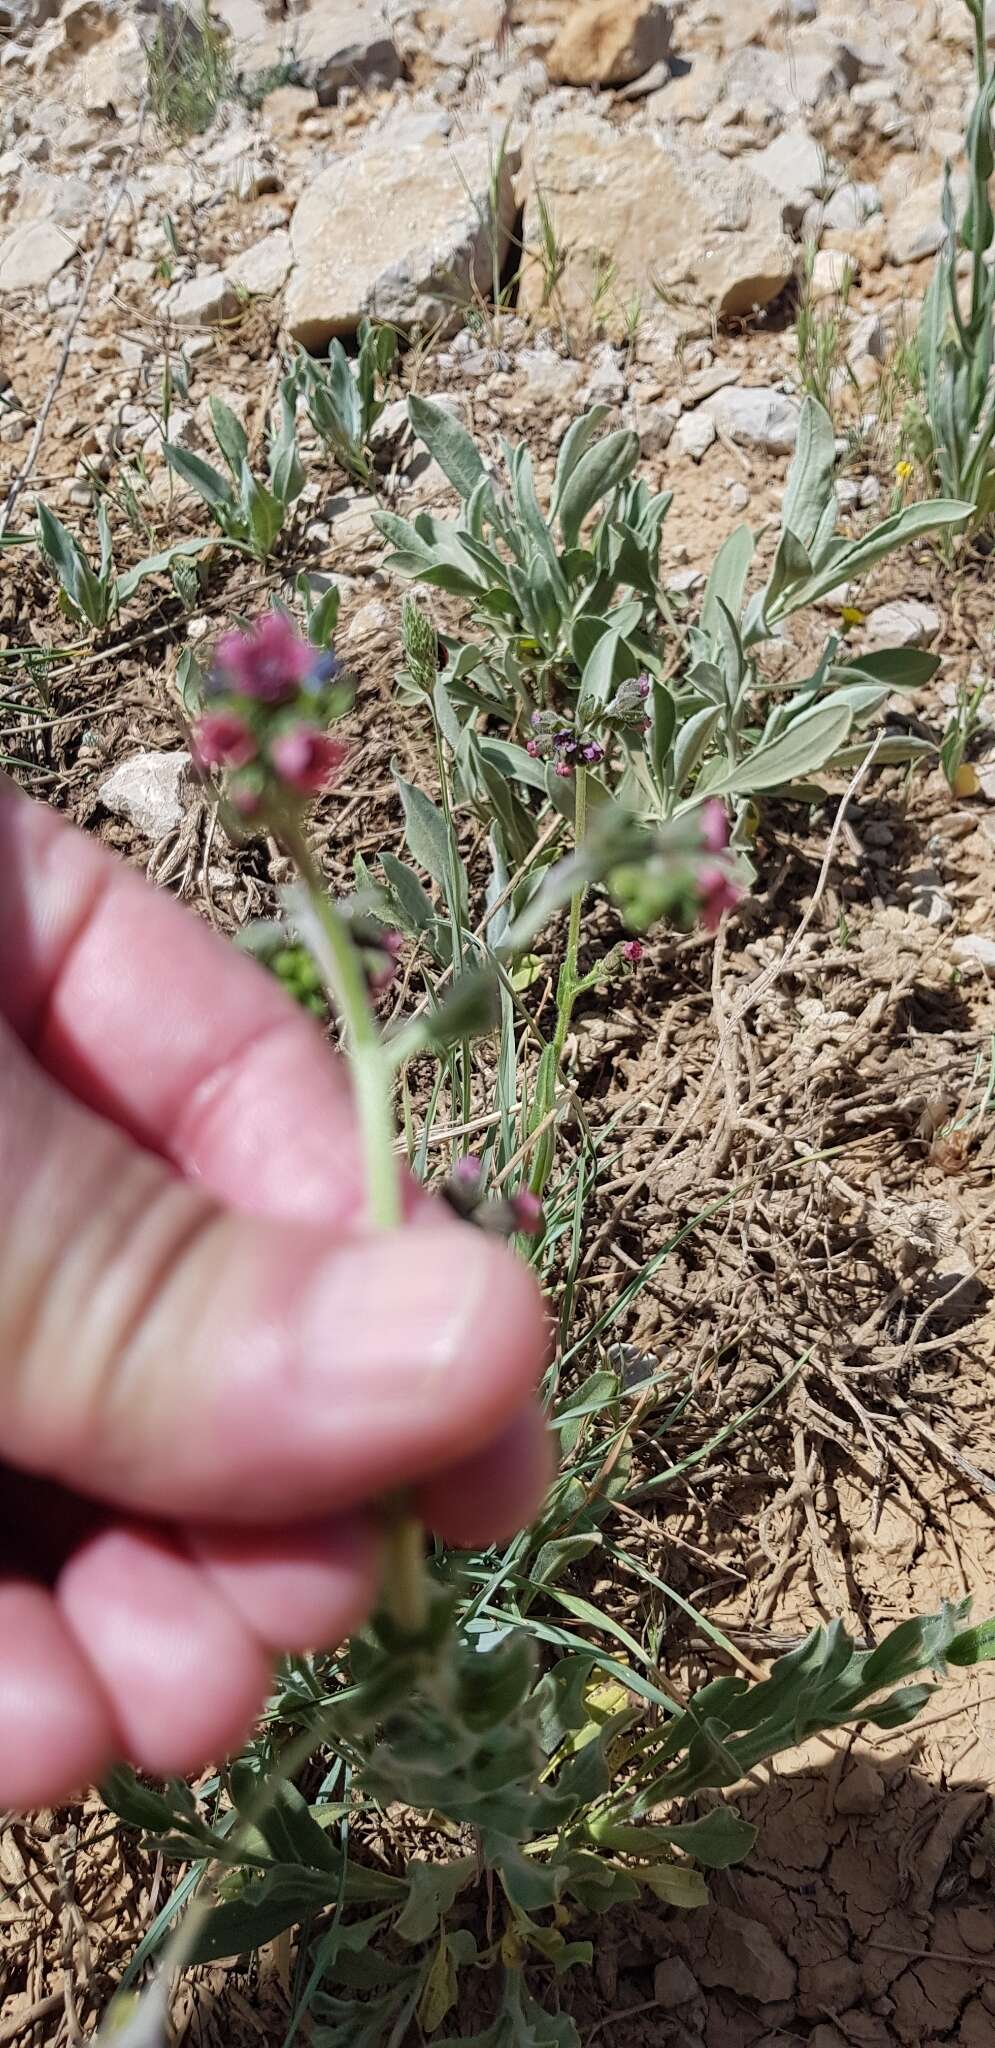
[661, 737]
[445, 713]
[425, 831]
[513, 761]
[59, 549]
[973, 1646]
[415, 909]
[856, 557]
[895, 750]
[810, 478]
[323, 617]
[199, 476]
[901, 668]
[808, 744]
[262, 511]
[106, 544]
[597, 473]
[448, 443]
[468, 1009]
[610, 663]
[691, 745]
[727, 579]
[157, 565]
[229, 435]
[575, 441]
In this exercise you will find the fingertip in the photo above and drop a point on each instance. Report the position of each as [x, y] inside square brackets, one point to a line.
[56, 1731]
[186, 1676]
[302, 1587]
[490, 1496]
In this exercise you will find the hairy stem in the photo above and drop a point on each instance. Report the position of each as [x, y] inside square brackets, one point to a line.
[404, 1587]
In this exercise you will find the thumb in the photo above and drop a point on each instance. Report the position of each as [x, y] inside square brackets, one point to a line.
[166, 1355]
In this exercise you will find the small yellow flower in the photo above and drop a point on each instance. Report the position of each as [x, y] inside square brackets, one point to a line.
[851, 615]
[903, 471]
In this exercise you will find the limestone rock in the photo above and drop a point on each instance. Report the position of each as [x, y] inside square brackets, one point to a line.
[672, 219]
[906, 623]
[975, 946]
[336, 43]
[756, 417]
[784, 83]
[401, 234]
[203, 301]
[32, 253]
[609, 42]
[916, 228]
[694, 434]
[264, 267]
[797, 166]
[149, 791]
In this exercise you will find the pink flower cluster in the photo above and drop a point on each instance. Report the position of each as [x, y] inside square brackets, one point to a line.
[717, 889]
[269, 699]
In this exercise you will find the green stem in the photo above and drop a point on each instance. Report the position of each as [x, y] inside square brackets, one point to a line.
[404, 1584]
[566, 992]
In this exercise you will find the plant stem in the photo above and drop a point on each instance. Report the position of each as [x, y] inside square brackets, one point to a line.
[566, 992]
[404, 1585]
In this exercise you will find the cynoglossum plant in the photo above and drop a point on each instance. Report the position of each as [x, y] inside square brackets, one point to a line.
[344, 400]
[575, 652]
[92, 591]
[539, 1778]
[955, 339]
[250, 513]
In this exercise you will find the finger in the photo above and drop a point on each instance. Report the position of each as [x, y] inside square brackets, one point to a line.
[486, 1497]
[303, 1587]
[186, 1676]
[147, 1016]
[56, 1732]
[162, 1354]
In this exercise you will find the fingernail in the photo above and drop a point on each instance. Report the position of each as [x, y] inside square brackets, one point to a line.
[394, 1315]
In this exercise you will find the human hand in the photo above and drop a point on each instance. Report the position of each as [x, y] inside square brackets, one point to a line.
[209, 1368]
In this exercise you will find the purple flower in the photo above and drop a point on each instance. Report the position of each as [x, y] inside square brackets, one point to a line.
[632, 952]
[717, 893]
[307, 760]
[714, 825]
[562, 768]
[532, 747]
[592, 753]
[221, 739]
[526, 1210]
[270, 662]
[643, 685]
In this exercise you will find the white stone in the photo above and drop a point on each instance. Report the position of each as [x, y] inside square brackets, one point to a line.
[335, 43]
[975, 946]
[149, 791]
[399, 233]
[905, 623]
[915, 229]
[797, 167]
[203, 301]
[694, 434]
[264, 267]
[31, 255]
[675, 220]
[830, 275]
[757, 417]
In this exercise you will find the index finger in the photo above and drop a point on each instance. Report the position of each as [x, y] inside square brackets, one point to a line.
[159, 1025]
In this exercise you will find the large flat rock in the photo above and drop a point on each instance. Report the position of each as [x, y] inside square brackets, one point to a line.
[404, 233]
[659, 218]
